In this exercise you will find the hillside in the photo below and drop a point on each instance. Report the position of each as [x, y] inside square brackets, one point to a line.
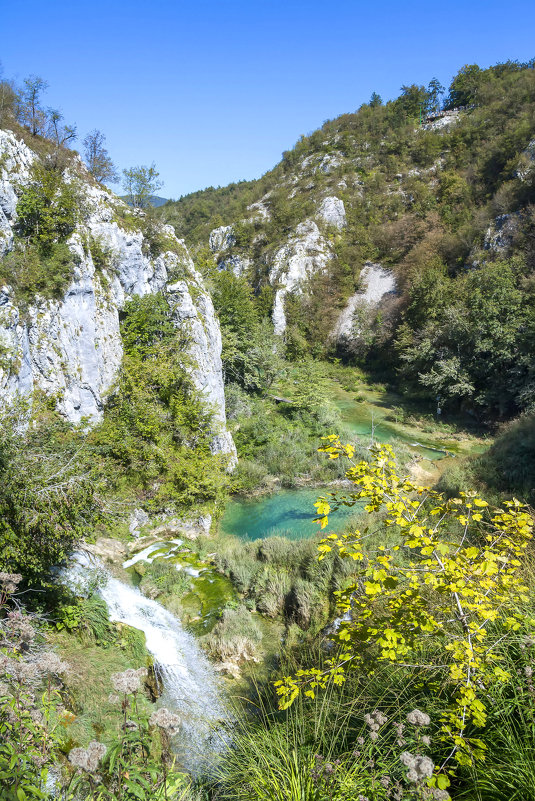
[442, 211]
[266, 460]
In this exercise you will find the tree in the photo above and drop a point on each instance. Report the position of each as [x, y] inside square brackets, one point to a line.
[140, 183]
[97, 158]
[412, 99]
[60, 133]
[465, 85]
[435, 90]
[31, 112]
[448, 582]
[375, 100]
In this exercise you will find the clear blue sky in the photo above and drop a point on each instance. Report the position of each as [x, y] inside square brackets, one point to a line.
[214, 91]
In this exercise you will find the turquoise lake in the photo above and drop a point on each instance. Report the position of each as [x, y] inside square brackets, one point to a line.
[290, 513]
[287, 513]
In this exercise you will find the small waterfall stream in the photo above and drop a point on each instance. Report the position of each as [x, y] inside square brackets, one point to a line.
[190, 684]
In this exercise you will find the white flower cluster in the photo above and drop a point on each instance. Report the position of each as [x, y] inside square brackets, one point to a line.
[129, 681]
[9, 582]
[374, 723]
[417, 718]
[17, 627]
[166, 720]
[435, 794]
[419, 767]
[88, 758]
[49, 662]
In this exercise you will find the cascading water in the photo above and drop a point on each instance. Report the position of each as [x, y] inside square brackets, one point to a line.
[190, 685]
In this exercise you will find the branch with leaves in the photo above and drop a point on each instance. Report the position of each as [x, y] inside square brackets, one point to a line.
[452, 576]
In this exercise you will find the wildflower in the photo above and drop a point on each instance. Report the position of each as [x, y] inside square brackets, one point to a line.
[419, 767]
[17, 626]
[9, 582]
[87, 758]
[360, 740]
[166, 720]
[49, 662]
[129, 681]
[426, 740]
[130, 725]
[374, 735]
[22, 672]
[113, 699]
[528, 672]
[417, 718]
[408, 759]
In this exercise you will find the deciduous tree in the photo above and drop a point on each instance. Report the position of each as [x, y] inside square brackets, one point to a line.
[97, 158]
[140, 183]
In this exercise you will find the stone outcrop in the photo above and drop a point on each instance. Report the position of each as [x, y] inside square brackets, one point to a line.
[221, 238]
[377, 283]
[307, 253]
[332, 212]
[499, 236]
[71, 348]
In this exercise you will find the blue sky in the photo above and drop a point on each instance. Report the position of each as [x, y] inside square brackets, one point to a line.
[214, 91]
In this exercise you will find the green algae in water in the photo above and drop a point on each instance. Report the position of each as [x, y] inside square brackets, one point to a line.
[288, 513]
[209, 592]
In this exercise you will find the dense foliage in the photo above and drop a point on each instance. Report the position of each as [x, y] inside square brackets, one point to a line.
[425, 202]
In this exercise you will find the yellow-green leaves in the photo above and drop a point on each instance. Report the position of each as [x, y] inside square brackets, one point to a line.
[435, 580]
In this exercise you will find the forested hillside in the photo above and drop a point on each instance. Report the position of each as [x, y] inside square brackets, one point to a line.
[437, 188]
[266, 460]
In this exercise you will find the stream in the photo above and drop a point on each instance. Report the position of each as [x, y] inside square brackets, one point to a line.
[191, 687]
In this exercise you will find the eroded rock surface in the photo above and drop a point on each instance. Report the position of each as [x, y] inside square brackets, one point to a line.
[307, 253]
[71, 348]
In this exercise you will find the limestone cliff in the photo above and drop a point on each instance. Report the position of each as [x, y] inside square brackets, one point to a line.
[71, 348]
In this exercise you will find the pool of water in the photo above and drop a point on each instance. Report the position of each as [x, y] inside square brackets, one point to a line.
[287, 513]
[358, 420]
[290, 513]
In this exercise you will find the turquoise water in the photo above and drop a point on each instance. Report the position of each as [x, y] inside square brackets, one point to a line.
[288, 513]
[358, 420]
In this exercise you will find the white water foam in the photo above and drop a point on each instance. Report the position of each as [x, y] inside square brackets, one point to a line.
[190, 683]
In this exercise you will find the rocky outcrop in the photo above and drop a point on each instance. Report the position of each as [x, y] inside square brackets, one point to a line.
[526, 167]
[332, 212]
[307, 253]
[221, 238]
[71, 348]
[499, 236]
[377, 283]
[239, 265]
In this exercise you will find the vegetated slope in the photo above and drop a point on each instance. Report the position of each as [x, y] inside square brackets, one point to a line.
[110, 348]
[446, 207]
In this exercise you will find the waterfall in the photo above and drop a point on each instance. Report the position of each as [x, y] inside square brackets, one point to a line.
[190, 684]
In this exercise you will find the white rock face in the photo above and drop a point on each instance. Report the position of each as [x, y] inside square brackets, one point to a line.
[332, 211]
[305, 254]
[15, 162]
[377, 282]
[330, 162]
[442, 122]
[221, 238]
[239, 265]
[526, 168]
[71, 349]
[499, 235]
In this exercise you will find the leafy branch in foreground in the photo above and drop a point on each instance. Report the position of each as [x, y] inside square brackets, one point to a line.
[450, 578]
